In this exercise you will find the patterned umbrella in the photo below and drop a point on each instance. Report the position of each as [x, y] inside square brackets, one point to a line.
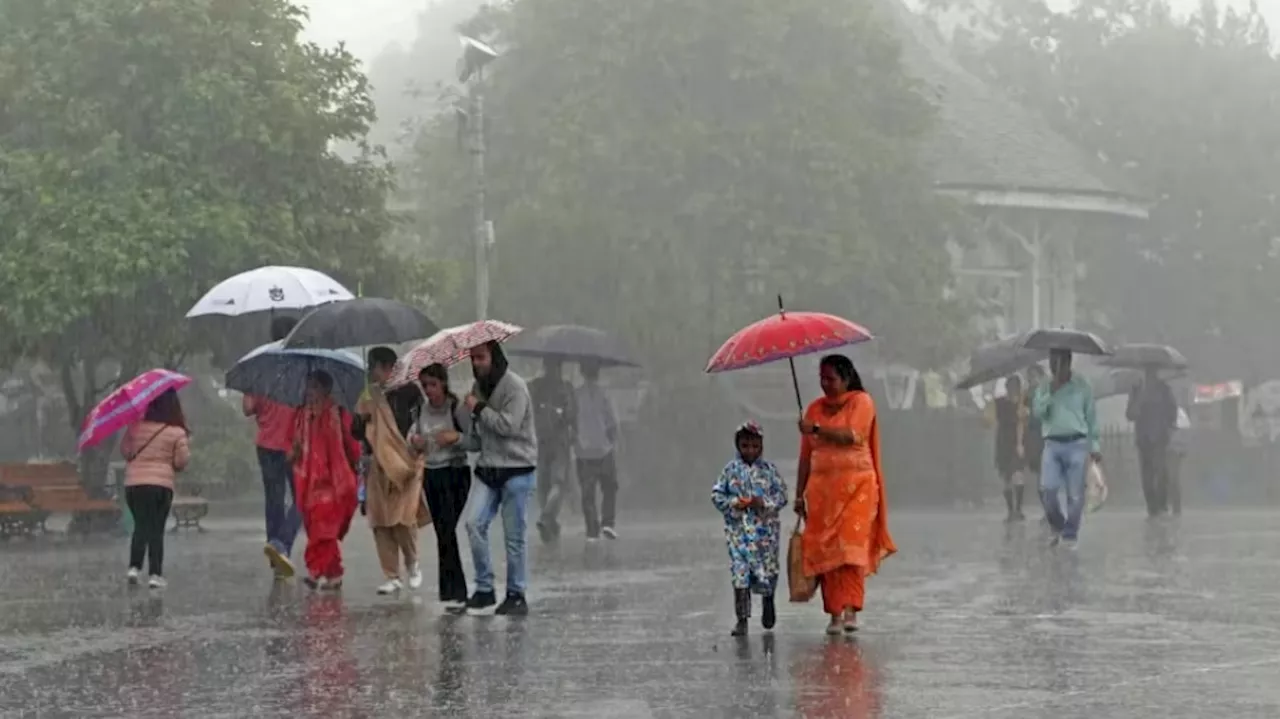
[127, 405]
[449, 347]
[786, 335]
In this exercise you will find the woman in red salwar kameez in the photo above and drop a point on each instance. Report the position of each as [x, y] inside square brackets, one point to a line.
[324, 457]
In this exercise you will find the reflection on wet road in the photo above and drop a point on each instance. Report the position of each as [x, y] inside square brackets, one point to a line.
[1174, 619]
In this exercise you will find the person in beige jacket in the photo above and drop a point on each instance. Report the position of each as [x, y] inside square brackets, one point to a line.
[155, 450]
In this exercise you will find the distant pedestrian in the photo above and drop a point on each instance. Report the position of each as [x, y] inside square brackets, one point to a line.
[1069, 424]
[155, 450]
[596, 439]
[393, 497]
[1011, 415]
[275, 423]
[324, 455]
[439, 433]
[1179, 448]
[749, 493]
[555, 415]
[503, 433]
[1154, 412]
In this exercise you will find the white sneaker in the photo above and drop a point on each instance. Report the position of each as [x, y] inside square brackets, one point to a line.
[157, 582]
[609, 533]
[133, 575]
[415, 577]
[390, 587]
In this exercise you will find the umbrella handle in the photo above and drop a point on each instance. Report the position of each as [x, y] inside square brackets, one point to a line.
[795, 383]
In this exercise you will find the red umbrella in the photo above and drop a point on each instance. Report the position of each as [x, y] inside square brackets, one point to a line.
[786, 335]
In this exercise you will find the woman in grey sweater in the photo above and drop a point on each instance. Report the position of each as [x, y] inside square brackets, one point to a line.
[438, 433]
[503, 433]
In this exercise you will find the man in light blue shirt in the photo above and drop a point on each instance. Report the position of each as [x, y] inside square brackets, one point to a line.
[595, 439]
[1069, 424]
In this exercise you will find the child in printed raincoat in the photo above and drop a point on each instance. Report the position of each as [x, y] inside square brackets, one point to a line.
[750, 494]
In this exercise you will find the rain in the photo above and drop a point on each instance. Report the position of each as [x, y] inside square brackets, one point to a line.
[567, 358]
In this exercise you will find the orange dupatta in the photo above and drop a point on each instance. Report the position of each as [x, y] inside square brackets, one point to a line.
[846, 511]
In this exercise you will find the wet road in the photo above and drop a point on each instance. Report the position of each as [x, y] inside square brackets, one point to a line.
[969, 620]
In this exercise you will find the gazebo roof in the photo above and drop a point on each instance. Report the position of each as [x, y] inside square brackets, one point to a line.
[986, 140]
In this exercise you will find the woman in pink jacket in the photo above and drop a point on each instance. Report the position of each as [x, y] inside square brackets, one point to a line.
[155, 449]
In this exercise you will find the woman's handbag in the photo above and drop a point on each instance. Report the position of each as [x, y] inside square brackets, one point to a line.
[802, 588]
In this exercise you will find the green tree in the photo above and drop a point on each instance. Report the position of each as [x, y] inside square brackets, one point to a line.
[1189, 109]
[147, 150]
[662, 169]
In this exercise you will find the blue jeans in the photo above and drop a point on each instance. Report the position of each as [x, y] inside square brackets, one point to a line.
[283, 519]
[513, 501]
[1063, 466]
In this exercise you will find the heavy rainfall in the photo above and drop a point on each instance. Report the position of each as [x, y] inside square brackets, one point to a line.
[643, 358]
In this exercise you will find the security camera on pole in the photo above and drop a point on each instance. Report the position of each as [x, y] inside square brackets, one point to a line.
[475, 55]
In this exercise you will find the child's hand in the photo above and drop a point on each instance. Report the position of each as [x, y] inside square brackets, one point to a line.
[742, 503]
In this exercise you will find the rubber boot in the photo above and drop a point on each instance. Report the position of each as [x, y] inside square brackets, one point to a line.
[769, 616]
[741, 610]
[1017, 502]
[1008, 503]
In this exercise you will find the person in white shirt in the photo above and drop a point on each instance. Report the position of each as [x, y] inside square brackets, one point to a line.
[595, 441]
[1178, 447]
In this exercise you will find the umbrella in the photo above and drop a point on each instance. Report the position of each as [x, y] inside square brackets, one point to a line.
[1079, 342]
[1142, 356]
[127, 405]
[280, 374]
[571, 343]
[360, 322]
[999, 359]
[449, 347]
[269, 289]
[1122, 381]
[786, 335]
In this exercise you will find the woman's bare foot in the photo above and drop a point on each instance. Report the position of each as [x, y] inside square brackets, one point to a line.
[850, 621]
[833, 629]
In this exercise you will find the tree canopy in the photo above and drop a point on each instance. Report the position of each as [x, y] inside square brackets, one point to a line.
[149, 149]
[1188, 107]
[662, 169]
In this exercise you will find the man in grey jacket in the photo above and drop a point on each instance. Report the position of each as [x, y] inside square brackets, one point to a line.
[503, 434]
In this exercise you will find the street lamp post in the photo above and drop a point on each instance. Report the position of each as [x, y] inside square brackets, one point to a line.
[475, 55]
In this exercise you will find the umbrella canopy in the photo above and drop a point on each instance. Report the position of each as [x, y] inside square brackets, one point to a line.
[571, 343]
[999, 359]
[280, 374]
[1124, 380]
[449, 347]
[360, 322]
[1075, 341]
[1141, 356]
[786, 335]
[127, 405]
[268, 289]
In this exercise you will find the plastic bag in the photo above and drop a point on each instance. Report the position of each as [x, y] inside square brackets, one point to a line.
[1096, 491]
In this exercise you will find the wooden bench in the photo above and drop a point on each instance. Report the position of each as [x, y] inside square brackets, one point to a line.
[54, 488]
[189, 509]
[17, 517]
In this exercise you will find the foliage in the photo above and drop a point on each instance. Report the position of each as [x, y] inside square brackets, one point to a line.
[149, 149]
[662, 169]
[1189, 109]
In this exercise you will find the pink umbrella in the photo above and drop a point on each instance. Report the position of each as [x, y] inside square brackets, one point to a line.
[449, 347]
[128, 405]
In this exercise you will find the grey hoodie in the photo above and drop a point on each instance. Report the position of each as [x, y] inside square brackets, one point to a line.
[503, 431]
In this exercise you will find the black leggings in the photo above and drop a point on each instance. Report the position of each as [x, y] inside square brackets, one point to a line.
[149, 506]
[447, 489]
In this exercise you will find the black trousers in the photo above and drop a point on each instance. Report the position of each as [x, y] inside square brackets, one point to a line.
[600, 473]
[447, 489]
[1153, 461]
[149, 506]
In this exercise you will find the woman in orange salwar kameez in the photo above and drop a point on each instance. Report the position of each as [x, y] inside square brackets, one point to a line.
[324, 456]
[840, 492]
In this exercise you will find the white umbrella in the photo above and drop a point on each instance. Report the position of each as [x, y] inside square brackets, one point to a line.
[269, 289]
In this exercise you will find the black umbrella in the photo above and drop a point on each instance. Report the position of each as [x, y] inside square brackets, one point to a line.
[360, 322]
[1063, 339]
[570, 343]
[999, 359]
[1141, 356]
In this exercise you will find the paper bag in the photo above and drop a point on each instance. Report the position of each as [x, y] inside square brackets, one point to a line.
[802, 588]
